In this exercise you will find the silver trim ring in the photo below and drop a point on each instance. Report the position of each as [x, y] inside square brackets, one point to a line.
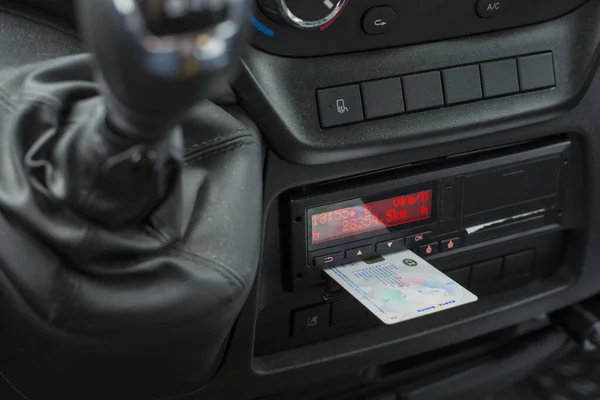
[292, 19]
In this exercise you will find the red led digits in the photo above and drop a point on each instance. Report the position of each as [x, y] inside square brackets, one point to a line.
[340, 221]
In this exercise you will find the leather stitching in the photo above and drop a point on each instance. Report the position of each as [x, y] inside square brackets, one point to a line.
[236, 143]
[230, 136]
[215, 142]
[217, 151]
[14, 388]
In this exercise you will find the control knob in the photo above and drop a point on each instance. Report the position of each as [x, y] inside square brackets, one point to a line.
[303, 14]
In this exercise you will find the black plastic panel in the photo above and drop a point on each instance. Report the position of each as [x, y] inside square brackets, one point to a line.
[495, 193]
[342, 105]
[415, 22]
[280, 92]
[273, 331]
[497, 184]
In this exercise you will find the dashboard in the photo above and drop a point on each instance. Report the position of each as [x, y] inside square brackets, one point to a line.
[483, 115]
[378, 100]
[317, 28]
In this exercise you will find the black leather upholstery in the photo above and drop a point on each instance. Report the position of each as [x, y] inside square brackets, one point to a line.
[28, 37]
[137, 312]
[61, 9]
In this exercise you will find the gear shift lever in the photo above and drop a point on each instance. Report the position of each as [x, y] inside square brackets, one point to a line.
[159, 57]
[119, 264]
[156, 58]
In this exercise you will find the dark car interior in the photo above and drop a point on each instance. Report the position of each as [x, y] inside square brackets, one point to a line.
[172, 172]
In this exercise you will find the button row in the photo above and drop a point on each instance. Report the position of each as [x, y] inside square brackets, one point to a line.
[383, 98]
[435, 247]
[489, 272]
[389, 246]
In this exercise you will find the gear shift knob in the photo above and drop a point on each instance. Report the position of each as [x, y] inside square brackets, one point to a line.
[159, 57]
[156, 59]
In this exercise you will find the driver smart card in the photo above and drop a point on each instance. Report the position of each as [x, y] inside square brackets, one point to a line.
[400, 286]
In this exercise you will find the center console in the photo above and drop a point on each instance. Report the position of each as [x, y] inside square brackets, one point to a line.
[492, 220]
[464, 131]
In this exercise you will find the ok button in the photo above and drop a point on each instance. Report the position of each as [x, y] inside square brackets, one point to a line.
[418, 238]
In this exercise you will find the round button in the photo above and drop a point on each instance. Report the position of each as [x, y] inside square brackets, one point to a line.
[378, 20]
[491, 8]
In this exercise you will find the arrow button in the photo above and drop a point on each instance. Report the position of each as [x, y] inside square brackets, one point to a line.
[389, 246]
[360, 251]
